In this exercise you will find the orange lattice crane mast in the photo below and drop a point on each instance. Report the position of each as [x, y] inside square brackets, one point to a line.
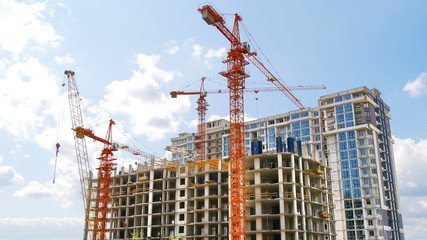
[201, 109]
[236, 76]
[105, 169]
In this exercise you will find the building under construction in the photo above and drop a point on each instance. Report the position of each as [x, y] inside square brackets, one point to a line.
[287, 197]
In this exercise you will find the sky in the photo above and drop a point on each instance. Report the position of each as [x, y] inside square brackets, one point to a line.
[128, 56]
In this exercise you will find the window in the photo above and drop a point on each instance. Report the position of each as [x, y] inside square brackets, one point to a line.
[363, 152]
[316, 114]
[317, 130]
[371, 233]
[352, 154]
[339, 109]
[344, 164]
[354, 163]
[181, 217]
[262, 132]
[362, 142]
[345, 174]
[338, 99]
[358, 213]
[295, 116]
[343, 146]
[254, 126]
[181, 229]
[182, 181]
[360, 133]
[364, 162]
[374, 171]
[372, 160]
[369, 132]
[261, 124]
[344, 155]
[366, 181]
[341, 137]
[182, 205]
[351, 135]
[304, 114]
[369, 212]
[367, 192]
[357, 203]
[305, 124]
[182, 193]
[354, 173]
[246, 135]
[355, 183]
[352, 144]
[365, 171]
[316, 122]
[349, 214]
[347, 97]
[271, 131]
[348, 204]
[296, 125]
[348, 107]
[371, 151]
[346, 184]
[370, 222]
[340, 118]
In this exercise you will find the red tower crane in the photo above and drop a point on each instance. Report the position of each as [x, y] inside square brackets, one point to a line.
[201, 109]
[236, 76]
[105, 169]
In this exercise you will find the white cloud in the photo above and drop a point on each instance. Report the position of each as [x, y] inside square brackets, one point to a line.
[215, 53]
[210, 54]
[35, 190]
[22, 23]
[197, 51]
[173, 50]
[29, 95]
[44, 221]
[8, 175]
[65, 60]
[411, 165]
[417, 87]
[142, 98]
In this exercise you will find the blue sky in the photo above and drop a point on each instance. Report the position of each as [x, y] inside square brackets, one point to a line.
[128, 56]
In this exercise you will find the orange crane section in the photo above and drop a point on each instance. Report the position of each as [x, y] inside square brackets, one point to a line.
[201, 109]
[236, 76]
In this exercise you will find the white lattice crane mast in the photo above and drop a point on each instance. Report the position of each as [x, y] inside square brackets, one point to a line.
[80, 146]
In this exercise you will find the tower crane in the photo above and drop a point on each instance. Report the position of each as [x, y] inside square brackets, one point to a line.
[106, 167]
[85, 173]
[99, 206]
[201, 109]
[236, 76]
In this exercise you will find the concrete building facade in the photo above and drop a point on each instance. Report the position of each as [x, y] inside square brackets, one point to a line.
[349, 132]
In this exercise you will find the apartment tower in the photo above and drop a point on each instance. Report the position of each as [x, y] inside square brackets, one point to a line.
[349, 132]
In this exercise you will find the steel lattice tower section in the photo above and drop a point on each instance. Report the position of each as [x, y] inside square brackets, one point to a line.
[201, 109]
[105, 170]
[236, 75]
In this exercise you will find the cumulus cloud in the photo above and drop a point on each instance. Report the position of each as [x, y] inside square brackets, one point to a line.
[141, 98]
[410, 153]
[173, 50]
[417, 87]
[35, 190]
[219, 53]
[22, 24]
[8, 175]
[197, 51]
[25, 104]
[208, 55]
[65, 60]
[411, 166]
[44, 221]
